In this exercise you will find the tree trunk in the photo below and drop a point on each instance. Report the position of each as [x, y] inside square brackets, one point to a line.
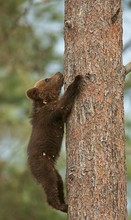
[96, 174]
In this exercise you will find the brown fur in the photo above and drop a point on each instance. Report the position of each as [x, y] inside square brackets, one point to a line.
[49, 114]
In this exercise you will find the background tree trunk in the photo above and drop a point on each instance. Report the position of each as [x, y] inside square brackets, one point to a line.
[96, 176]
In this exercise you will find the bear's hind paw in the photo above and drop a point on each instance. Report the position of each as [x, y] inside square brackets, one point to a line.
[64, 208]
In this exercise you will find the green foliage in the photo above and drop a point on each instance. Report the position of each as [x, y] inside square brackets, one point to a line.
[129, 4]
[24, 45]
[22, 198]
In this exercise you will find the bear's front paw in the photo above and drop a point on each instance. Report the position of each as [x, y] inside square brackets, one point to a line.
[78, 78]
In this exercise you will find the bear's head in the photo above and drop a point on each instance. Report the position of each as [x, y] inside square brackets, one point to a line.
[46, 90]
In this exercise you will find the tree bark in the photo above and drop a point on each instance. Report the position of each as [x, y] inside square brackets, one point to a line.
[96, 173]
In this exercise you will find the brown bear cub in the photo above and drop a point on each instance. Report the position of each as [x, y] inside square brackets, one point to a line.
[50, 112]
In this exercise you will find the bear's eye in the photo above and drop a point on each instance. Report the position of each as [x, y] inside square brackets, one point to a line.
[46, 80]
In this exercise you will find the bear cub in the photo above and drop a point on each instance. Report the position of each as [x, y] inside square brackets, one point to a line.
[50, 112]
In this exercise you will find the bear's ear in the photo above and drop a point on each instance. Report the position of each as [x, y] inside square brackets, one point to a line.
[33, 93]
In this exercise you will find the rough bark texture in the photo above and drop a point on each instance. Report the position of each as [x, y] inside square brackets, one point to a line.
[96, 176]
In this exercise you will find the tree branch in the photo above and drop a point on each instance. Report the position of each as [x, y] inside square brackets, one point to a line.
[127, 68]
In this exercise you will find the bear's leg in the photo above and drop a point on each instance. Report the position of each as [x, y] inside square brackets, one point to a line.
[60, 188]
[53, 186]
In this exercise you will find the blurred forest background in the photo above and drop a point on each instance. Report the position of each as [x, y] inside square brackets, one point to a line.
[31, 39]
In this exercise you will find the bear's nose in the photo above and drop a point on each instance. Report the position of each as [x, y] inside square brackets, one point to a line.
[59, 74]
